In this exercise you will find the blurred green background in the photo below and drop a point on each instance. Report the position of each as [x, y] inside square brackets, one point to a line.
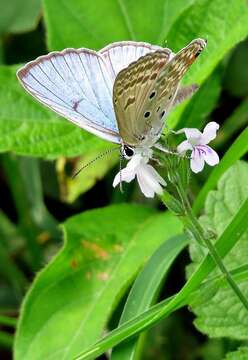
[40, 151]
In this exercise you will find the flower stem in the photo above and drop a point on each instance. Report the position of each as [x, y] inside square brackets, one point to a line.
[195, 227]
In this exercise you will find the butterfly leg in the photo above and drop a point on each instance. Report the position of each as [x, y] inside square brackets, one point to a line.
[165, 150]
[156, 161]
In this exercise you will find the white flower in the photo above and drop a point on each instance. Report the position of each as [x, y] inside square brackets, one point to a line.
[197, 143]
[148, 178]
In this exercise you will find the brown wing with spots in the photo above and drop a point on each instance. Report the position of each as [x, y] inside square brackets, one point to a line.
[168, 81]
[131, 88]
[145, 91]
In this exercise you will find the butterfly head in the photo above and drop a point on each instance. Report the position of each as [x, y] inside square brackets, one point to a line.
[128, 152]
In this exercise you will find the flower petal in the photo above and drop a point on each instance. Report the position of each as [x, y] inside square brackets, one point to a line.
[155, 175]
[124, 175]
[193, 135]
[211, 157]
[135, 161]
[145, 187]
[148, 178]
[209, 132]
[197, 161]
[184, 146]
[117, 179]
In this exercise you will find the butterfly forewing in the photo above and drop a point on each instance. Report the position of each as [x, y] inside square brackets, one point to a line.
[144, 93]
[76, 84]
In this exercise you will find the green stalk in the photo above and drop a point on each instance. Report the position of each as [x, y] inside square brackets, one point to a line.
[198, 232]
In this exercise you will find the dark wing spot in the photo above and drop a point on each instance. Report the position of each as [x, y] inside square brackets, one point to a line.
[75, 105]
[158, 109]
[162, 114]
[147, 114]
[129, 102]
[153, 76]
[152, 94]
[198, 53]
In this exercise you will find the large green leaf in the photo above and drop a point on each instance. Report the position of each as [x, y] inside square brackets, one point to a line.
[19, 16]
[94, 24]
[205, 19]
[223, 314]
[27, 127]
[212, 20]
[73, 297]
[240, 354]
[224, 244]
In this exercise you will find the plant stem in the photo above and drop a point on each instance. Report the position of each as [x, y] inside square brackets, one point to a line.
[195, 227]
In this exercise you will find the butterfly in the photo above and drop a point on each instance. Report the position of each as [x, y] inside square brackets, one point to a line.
[121, 93]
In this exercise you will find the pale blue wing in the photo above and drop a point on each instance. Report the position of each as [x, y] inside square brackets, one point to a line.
[77, 85]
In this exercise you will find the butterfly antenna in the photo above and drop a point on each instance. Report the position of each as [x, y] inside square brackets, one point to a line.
[109, 151]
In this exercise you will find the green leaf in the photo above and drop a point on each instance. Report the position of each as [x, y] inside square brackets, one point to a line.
[145, 289]
[74, 296]
[201, 20]
[28, 128]
[146, 320]
[92, 171]
[223, 314]
[234, 153]
[19, 16]
[140, 20]
[240, 354]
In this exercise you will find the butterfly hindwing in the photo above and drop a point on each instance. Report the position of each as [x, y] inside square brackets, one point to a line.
[132, 87]
[184, 92]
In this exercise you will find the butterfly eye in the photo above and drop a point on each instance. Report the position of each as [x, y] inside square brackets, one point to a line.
[147, 114]
[128, 152]
[152, 94]
[162, 114]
